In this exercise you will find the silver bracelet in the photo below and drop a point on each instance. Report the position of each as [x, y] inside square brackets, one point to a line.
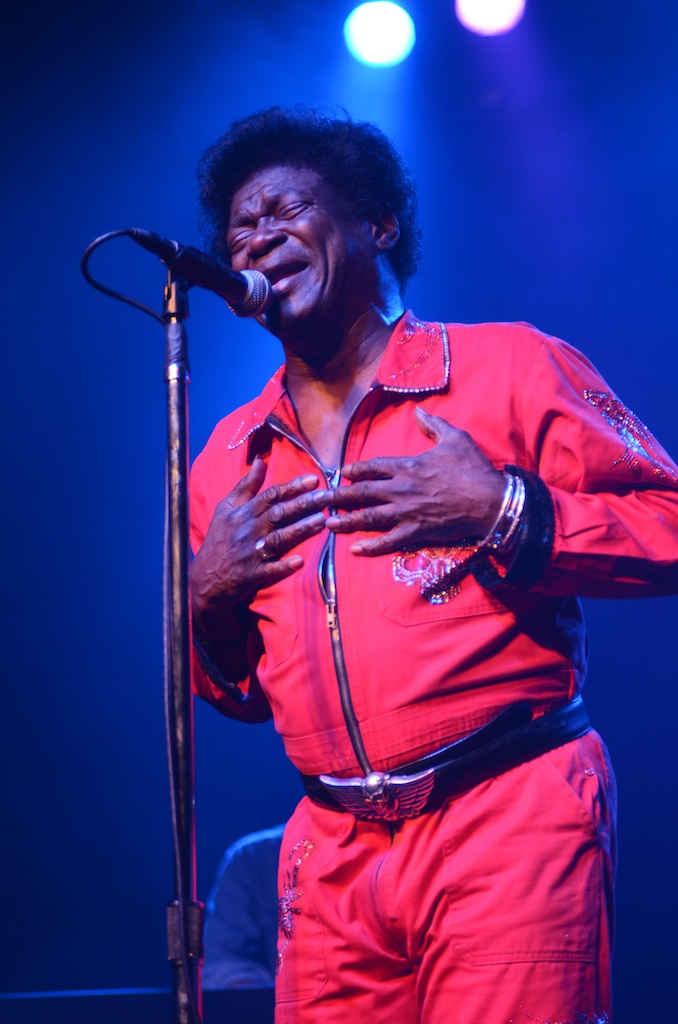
[504, 532]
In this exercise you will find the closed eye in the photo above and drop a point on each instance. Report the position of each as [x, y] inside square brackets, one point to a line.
[291, 210]
[238, 242]
[286, 212]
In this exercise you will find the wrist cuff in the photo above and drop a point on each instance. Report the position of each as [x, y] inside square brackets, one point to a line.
[217, 677]
[534, 546]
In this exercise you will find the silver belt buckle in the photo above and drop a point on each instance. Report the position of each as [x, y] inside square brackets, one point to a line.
[381, 795]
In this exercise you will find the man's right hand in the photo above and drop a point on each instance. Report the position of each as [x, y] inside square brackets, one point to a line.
[248, 545]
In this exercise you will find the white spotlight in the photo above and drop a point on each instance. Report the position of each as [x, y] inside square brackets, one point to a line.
[489, 17]
[379, 33]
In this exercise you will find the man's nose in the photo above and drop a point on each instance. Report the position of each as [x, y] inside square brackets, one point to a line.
[266, 236]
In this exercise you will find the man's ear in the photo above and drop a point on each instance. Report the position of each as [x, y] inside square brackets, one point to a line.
[385, 229]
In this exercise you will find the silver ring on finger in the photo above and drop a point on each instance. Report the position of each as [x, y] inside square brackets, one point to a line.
[260, 548]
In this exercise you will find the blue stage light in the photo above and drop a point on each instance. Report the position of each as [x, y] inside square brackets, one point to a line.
[379, 34]
[489, 17]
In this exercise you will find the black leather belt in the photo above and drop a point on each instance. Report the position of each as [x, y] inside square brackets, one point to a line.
[508, 740]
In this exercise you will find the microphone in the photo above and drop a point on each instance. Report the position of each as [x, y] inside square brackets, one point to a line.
[247, 294]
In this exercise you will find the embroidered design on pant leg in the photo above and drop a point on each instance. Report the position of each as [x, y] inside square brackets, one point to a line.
[638, 440]
[291, 894]
[581, 1018]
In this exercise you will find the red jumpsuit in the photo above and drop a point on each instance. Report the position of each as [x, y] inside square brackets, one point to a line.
[496, 907]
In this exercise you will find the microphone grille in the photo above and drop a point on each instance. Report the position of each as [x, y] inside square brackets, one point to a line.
[258, 296]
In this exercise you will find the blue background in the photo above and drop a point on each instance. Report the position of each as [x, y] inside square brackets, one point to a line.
[547, 163]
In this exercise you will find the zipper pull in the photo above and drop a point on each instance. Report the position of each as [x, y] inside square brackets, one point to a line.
[332, 620]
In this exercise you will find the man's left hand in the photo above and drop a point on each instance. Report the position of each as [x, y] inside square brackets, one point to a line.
[446, 495]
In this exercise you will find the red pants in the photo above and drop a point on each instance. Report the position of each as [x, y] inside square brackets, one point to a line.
[494, 909]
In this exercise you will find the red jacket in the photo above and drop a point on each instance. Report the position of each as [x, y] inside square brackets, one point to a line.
[420, 674]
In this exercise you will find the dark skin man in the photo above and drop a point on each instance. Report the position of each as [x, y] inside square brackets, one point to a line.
[336, 301]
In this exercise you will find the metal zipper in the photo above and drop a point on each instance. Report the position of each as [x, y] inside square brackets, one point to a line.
[327, 583]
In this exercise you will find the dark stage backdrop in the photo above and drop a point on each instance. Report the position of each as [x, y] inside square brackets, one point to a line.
[547, 163]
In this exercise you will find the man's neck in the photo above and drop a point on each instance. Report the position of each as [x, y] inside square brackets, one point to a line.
[325, 395]
[352, 365]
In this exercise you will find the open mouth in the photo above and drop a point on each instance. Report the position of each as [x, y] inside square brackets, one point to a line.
[281, 277]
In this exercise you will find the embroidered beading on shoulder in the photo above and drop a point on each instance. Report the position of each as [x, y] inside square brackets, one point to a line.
[638, 440]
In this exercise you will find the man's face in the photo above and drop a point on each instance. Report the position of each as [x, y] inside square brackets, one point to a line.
[287, 223]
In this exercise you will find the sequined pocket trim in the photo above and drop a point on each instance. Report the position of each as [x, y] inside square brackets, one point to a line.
[438, 572]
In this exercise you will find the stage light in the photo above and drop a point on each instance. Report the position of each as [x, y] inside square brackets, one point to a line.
[489, 17]
[380, 34]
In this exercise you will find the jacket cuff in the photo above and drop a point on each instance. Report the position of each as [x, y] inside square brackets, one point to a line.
[533, 551]
[215, 675]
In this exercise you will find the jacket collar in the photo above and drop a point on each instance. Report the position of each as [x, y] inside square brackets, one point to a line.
[416, 361]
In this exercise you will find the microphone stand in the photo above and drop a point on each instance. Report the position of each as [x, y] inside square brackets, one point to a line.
[185, 914]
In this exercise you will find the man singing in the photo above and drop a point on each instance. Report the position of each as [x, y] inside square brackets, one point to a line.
[390, 543]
